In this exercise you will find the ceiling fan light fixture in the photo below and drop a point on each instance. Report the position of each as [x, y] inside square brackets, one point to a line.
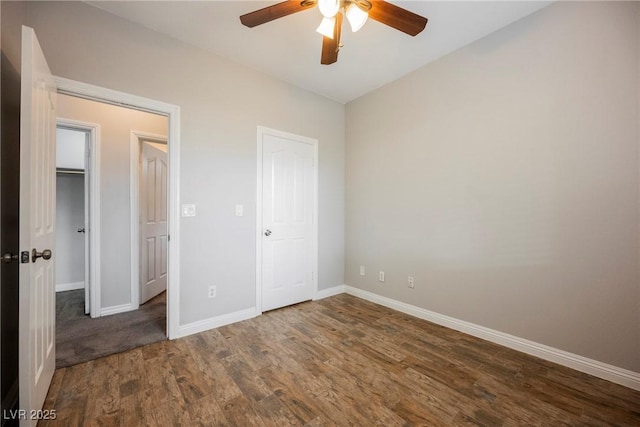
[356, 17]
[326, 27]
[329, 8]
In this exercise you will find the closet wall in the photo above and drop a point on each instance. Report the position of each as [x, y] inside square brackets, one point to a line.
[69, 243]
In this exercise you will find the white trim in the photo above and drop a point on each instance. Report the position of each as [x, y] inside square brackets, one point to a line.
[173, 112]
[259, 224]
[88, 168]
[262, 131]
[135, 140]
[316, 195]
[116, 309]
[583, 364]
[326, 293]
[63, 287]
[216, 322]
[94, 230]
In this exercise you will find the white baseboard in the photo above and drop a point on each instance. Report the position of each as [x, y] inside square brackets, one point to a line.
[326, 293]
[216, 322]
[62, 287]
[592, 367]
[115, 309]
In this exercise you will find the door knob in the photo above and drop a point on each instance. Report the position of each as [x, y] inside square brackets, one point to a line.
[8, 257]
[46, 254]
[267, 232]
[81, 230]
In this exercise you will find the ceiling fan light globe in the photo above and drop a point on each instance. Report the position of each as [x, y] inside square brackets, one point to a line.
[326, 27]
[329, 8]
[356, 17]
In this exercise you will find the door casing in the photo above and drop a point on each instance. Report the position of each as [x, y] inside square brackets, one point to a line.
[97, 93]
[262, 131]
[92, 198]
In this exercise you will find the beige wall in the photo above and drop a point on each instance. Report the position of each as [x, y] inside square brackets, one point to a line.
[505, 178]
[221, 104]
[116, 124]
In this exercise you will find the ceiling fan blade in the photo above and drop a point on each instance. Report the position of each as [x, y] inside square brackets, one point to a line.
[330, 47]
[397, 17]
[269, 13]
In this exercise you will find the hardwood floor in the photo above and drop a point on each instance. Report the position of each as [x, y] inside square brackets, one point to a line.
[339, 361]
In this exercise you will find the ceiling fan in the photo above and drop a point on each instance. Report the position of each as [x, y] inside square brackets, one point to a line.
[356, 11]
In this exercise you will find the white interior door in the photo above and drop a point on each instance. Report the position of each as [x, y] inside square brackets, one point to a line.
[37, 226]
[153, 215]
[288, 201]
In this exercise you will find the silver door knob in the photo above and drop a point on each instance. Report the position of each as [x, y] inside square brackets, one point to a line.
[46, 254]
[267, 232]
[8, 257]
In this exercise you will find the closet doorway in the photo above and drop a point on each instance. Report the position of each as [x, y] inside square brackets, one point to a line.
[74, 240]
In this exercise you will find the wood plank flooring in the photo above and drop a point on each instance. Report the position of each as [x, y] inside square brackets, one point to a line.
[341, 361]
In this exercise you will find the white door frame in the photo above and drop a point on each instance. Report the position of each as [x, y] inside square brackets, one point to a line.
[135, 141]
[262, 131]
[84, 90]
[93, 197]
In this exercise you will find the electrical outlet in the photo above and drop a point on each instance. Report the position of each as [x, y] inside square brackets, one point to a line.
[410, 282]
[212, 292]
[381, 276]
[362, 270]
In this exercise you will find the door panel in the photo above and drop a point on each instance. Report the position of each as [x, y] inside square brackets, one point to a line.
[153, 198]
[277, 189]
[163, 241]
[37, 225]
[299, 189]
[288, 197]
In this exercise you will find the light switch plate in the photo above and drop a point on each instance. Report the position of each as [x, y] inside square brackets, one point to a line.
[188, 210]
[239, 210]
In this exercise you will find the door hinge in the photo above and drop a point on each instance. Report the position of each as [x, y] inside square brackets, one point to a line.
[8, 257]
[168, 237]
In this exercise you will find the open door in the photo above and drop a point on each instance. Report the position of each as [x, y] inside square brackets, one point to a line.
[37, 226]
[153, 215]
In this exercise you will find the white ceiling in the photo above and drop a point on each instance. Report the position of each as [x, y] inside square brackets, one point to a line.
[289, 48]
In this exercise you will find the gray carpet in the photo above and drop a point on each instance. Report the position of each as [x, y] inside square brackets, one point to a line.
[79, 338]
